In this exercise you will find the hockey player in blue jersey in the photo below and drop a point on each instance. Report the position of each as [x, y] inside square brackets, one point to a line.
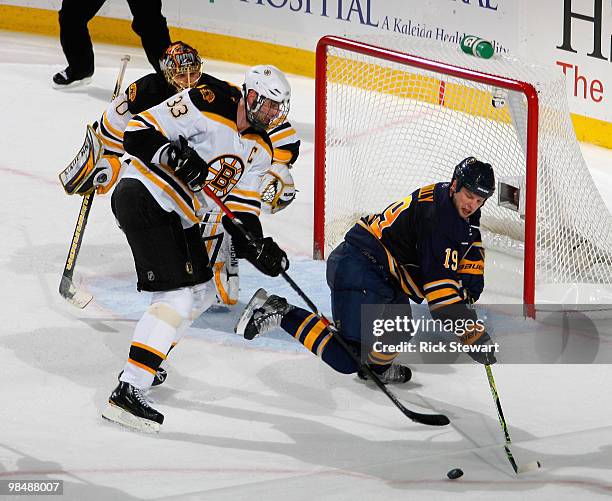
[424, 247]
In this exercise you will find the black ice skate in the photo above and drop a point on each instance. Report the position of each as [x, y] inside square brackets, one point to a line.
[67, 79]
[160, 376]
[128, 406]
[395, 373]
[262, 314]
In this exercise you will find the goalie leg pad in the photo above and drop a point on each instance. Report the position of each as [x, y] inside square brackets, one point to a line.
[226, 275]
[222, 255]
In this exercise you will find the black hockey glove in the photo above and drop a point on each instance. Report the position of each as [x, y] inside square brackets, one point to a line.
[188, 166]
[267, 256]
[482, 349]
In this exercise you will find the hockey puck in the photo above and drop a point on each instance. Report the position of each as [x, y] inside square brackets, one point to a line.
[455, 473]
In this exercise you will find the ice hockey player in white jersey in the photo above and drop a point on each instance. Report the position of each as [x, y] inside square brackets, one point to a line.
[172, 149]
[183, 68]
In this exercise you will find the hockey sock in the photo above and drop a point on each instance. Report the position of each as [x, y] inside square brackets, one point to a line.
[203, 297]
[379, 362]
[152, 339]
[312, 332]
[155, 334]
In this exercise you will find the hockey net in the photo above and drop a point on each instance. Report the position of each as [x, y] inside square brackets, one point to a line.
[394, 114]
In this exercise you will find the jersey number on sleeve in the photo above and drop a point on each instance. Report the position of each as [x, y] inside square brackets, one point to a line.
[122, 107]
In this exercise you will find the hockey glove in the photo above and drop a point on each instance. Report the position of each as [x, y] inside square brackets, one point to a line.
[277, 189]
[188, 166]
[106, 179]
[267, 256]
[482, 349]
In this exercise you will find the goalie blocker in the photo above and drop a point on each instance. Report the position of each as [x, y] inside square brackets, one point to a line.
[90, 169]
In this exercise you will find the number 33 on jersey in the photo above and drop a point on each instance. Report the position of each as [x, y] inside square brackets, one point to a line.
[208, 121]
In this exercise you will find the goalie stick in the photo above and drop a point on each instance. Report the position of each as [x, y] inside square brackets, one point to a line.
[428, 419]
[67, 289]
[532, 466]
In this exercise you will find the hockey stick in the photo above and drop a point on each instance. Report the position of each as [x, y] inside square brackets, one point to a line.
[428, 419]
[67, 289]
[534, 465]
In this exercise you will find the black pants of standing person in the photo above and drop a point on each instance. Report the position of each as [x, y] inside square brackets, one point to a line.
[148, 23]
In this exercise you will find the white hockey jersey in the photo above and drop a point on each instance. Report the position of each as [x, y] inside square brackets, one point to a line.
[144, 93]
[208, 121]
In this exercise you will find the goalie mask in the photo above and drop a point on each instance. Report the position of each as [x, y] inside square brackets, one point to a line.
[277, 189]
[266, 94]
[476, 176]
[181, 65]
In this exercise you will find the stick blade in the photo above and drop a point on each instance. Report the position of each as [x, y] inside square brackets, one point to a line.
[533, 466]
[417, 417]
[429, 419]
[71, 294]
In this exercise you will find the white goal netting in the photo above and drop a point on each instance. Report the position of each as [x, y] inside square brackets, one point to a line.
[392, 127]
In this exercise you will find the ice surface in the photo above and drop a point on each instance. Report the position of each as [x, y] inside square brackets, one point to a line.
[244, 420]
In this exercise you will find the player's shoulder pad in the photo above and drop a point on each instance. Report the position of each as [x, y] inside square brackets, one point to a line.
[220, 86]
[427, 198]
[426, 194]
[147, 92]
[261, 136]
[209, 100]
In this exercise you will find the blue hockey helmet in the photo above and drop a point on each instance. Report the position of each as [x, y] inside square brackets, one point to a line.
[476, 176]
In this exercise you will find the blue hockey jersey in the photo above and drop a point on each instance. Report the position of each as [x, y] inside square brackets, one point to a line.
[431, 252]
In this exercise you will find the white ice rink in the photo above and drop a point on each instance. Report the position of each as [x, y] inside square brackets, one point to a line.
[243, 420]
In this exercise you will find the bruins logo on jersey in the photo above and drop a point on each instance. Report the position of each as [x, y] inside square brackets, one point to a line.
[132, 92]
[224, 172]
[207, 94]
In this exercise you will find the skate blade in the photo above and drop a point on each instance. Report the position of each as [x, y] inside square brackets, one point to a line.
[256, 301]
[73, 85]
[124, 418]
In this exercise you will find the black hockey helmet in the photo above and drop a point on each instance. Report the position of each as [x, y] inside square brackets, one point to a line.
[476, 176]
